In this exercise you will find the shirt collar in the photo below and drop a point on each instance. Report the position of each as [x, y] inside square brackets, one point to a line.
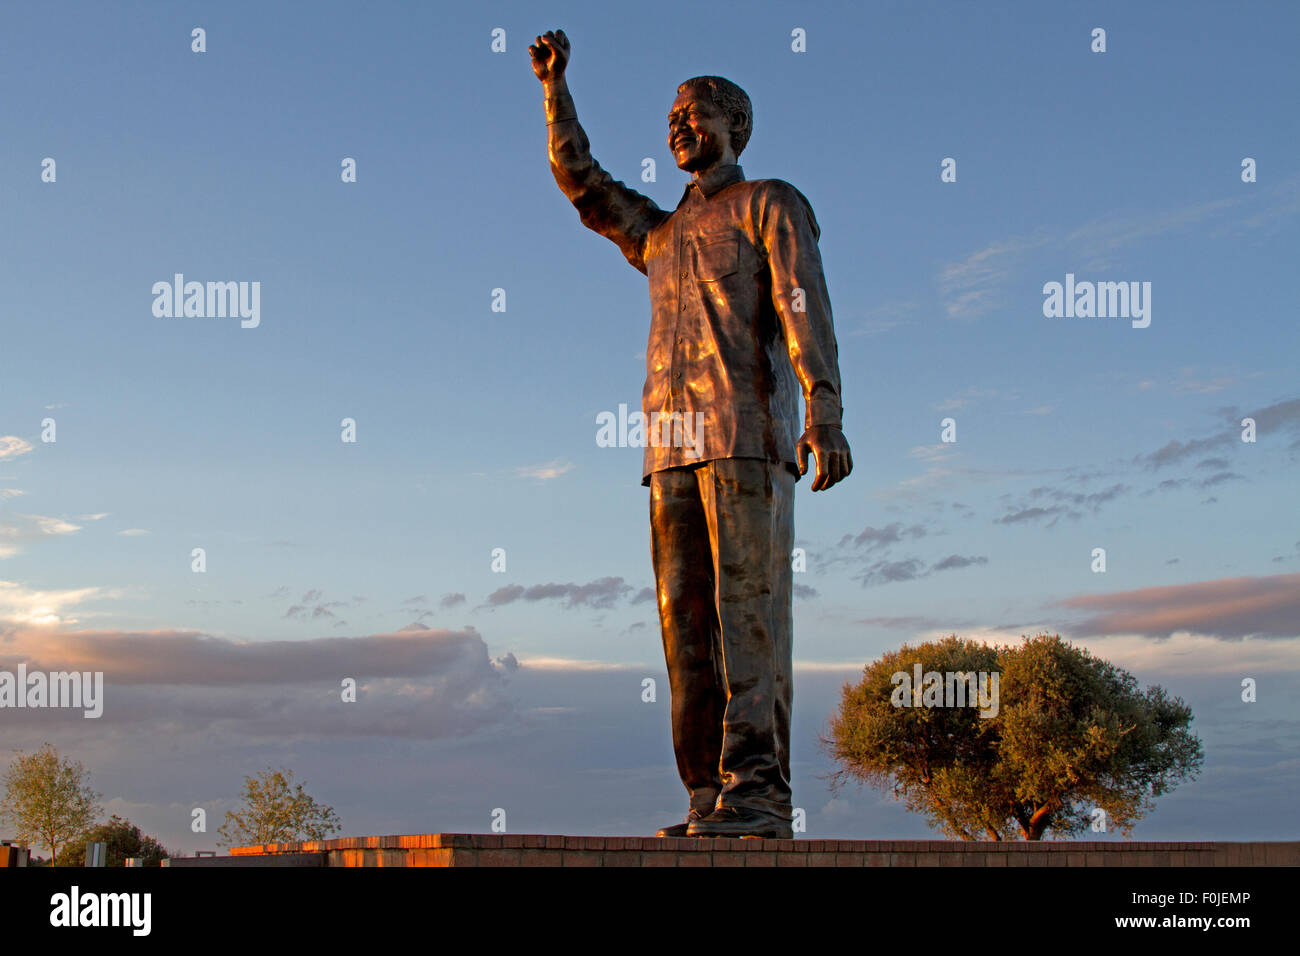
[713, 180]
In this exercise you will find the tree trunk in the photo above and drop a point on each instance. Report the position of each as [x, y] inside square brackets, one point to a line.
[1038, 822]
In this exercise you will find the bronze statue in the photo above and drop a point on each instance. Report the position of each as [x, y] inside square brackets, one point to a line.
[739, 310]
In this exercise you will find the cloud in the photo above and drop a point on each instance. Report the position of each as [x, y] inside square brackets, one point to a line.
[11, 446]
[22, 527]
[1070, 504]
[602, 594]
[973, 286]
[909, 569]
[451, 600]
[1278, 418]
[133, 532]
[1175, 451]
[884, 317]
[1223, 608]
[1098, 240]
[877, 539]
[1020, 515]
[954, 561]
[961, 401]
[425, 684]
[551, 469]
[191, 658]
[22, 605]
[573, 664]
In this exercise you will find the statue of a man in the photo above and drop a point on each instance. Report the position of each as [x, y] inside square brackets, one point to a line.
[741, 324]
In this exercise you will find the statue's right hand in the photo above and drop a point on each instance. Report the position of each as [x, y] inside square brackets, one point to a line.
[550, 55]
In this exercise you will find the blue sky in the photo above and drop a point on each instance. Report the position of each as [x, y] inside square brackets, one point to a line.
[476, 429]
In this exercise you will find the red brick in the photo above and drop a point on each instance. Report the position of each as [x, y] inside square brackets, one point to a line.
[539, 858]
[498, 857]
[622, 858]
[695, 859]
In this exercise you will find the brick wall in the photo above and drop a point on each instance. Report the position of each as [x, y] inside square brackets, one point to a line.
[473, 849]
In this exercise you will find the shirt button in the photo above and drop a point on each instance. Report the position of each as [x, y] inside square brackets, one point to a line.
[683, 306]
[683, 275]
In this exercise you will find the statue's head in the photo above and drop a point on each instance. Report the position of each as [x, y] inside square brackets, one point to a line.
[709, 123]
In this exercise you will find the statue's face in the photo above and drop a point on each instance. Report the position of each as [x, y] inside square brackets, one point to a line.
[698, 133]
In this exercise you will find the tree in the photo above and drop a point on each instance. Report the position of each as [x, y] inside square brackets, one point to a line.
[275, 812]
[48, 799]
[123, 840]
[1070, 733]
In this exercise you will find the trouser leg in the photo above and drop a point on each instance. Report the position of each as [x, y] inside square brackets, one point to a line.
[749, 507]
[688, 620]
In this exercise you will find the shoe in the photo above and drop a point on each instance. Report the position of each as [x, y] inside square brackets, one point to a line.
[741, 822]
[679, 829]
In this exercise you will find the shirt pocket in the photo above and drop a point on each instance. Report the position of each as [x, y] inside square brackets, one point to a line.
[716, 257]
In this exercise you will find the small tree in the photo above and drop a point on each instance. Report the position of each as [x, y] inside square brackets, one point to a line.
[275, 812]
[123, 840]
[1071, 733]
[48, 799]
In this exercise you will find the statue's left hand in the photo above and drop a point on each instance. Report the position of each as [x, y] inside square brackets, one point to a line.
[834, 462]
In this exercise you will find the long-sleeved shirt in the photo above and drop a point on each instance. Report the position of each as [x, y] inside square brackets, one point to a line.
[739, 306]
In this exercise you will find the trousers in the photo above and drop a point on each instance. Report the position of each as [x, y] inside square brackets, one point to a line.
[721, 537]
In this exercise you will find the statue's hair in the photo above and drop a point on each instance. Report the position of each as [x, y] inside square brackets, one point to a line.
[729, 98]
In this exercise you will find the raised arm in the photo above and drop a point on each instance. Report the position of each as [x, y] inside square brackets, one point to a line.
[604, 204]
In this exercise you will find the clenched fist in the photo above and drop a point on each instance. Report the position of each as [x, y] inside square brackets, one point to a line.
[550, 55]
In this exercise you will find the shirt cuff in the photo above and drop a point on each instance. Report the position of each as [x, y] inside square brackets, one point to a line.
[559, 109]
[823, 410]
